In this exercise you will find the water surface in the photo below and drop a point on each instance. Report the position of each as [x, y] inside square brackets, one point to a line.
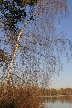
[57, 102]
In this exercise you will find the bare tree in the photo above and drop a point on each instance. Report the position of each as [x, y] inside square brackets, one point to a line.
[35, 49]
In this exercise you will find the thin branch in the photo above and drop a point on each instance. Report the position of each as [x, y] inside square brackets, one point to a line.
[16, 46]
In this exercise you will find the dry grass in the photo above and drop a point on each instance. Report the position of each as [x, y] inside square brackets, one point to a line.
[20, 97]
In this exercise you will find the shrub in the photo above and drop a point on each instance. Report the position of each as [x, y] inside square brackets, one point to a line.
[20, 97]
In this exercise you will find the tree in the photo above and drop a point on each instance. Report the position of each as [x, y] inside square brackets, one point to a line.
[53, 92]
[35, 49]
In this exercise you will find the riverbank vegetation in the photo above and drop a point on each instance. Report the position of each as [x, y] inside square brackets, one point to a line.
[56, 92]
[27, 97]
[30, 50]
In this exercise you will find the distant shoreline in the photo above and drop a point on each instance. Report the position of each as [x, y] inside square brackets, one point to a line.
[55, 96]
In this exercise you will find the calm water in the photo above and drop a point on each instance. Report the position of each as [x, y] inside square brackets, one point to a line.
[57, 102]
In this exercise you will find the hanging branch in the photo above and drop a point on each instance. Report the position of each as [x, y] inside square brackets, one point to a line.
[16, 46]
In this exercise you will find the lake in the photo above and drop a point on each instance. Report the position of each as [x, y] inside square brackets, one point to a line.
[57, 102]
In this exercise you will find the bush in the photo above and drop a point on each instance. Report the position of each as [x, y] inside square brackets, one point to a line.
[15, 97]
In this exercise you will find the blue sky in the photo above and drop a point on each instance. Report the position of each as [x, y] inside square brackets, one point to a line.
[65, 78]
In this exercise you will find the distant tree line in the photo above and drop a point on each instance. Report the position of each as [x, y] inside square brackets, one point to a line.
[55, 92]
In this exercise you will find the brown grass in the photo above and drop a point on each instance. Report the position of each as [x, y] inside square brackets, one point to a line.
[20, 97]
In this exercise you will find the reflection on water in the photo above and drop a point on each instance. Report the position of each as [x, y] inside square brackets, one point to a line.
[57, 102]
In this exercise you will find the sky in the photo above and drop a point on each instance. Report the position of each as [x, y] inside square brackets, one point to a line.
[64, 79]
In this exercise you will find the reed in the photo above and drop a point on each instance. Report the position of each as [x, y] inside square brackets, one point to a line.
[20, 97]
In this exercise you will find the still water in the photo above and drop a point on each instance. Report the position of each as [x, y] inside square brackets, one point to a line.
[57, 102]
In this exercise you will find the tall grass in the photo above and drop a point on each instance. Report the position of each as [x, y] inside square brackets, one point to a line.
[19, 97]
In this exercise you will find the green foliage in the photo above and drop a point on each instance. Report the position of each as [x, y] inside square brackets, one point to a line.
[14, 12]
[53, 92]
[25, 2]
